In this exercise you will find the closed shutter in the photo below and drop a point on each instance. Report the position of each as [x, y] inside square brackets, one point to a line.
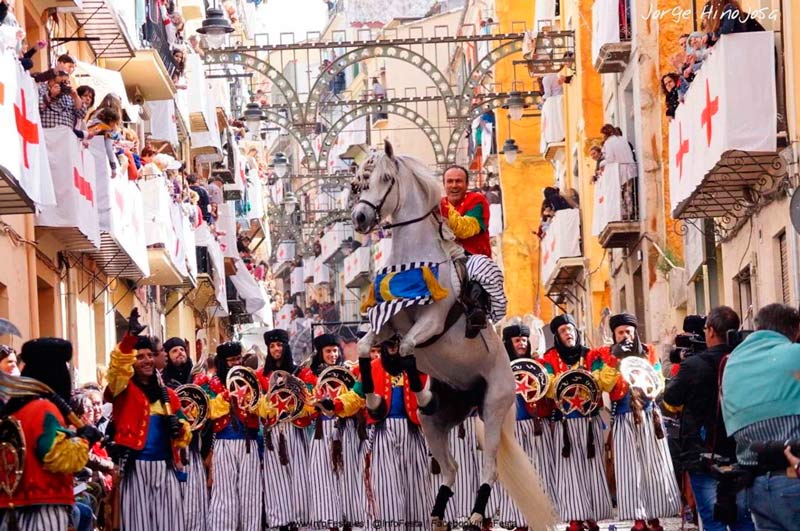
[784, 256]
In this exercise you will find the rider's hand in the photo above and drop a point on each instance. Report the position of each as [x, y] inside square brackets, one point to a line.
[134, 326]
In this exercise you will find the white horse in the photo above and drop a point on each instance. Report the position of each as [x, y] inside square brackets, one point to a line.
[464, 373]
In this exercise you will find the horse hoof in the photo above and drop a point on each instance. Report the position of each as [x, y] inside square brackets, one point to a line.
[431, 407]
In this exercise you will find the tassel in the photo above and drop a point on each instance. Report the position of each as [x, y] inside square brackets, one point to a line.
[590, 451]
[11, 520]
[318, 429]
[435, 468]
[462, 432]
[368, 483]
[636, 405]
[537, 426]
[361, 427]
[566, 449]
[283, 454]
[337, 459]
[657, 427]
[436, 289]
[368, 301]
[268, 441]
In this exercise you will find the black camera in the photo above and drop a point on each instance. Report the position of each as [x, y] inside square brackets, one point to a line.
[770, 453]
[735, 337]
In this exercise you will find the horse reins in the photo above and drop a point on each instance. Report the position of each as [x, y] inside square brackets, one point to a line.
[377, 208]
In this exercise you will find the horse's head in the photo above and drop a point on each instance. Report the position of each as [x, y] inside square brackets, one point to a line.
[376, 186]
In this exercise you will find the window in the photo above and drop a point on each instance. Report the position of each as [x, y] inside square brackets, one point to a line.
[744, 296]
[783, 264]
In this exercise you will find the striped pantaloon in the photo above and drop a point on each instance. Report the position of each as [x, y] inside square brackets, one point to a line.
[352, 480]
[40, 518]
[485, 271]
[283, 487]
[581, 488]
[539, 450]
[150, 498]
[465, 451]
[324, 496]
[399, 476]
[236, 492]
[195, 493]
[646, 486]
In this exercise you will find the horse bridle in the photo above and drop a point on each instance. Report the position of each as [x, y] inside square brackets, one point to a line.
[377, 208]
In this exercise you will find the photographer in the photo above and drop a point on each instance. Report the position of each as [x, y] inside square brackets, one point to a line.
[59, 102]
[761, 409]
[694, 392]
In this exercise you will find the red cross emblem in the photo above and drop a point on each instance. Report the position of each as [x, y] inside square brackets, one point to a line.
[83, 186]
[711, 108]
[683, 149]
[28, 130]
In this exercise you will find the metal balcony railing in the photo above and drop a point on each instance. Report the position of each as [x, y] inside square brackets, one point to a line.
[154, 35]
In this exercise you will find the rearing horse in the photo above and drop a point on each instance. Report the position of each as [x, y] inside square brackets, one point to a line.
[463, 372]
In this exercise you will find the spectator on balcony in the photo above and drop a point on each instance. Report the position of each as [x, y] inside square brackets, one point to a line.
[546, 218]
[179, 59]
[556, 201]
[64, 63]
[106, 122]
[203, 201]
[671, 84]
[552, 85]
[215, 194]
[727, 16]
[87, 95]
[596, 153]
[59, 102]
[616, 149]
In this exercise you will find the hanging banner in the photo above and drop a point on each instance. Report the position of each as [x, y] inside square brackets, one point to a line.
[561, 240]
[607, 198]
[731, 105]
[72, 168]
[24, 154]
[298, 281]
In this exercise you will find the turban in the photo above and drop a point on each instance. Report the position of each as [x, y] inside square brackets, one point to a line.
[173, 342]
[519, 330]
[623, 319]
[561, 320]
[276, 335]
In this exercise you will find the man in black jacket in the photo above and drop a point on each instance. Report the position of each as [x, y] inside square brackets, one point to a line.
[694, 393]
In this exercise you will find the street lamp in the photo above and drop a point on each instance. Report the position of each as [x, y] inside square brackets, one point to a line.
[515, 105]
[290, 203]
[215, 27]
[280, 164]
[252, 116]
[510, 150]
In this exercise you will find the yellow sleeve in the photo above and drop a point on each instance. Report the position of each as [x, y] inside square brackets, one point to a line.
[606, 378]
[120, 370]
[264, 409]
[462, 226]
[351, 404]
[67, 455]
[551, 388]
[186, 435]
[218, 407]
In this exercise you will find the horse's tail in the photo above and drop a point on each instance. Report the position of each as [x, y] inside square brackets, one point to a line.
[520, 479]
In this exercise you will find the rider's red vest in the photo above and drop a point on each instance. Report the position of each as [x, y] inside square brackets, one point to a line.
[474, 204]
[383, 387]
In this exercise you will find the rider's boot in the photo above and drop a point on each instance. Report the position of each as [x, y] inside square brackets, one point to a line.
[477, 303]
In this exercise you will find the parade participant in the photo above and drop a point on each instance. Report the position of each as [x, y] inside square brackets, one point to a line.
[286, 450]
[159, 354]
[397, 474]
[467, 215]
[532, 428]
[580, 487]
[236, 490]
[178, 371]
[646, 486]
[43, 499]
[178, 365]
[150, 431]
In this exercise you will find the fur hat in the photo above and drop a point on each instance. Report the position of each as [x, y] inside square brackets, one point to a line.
[144, 342]
[229, 349]
[326, 340]
[46, 360]
[622, 319]
[276, 335]
[173, 342]
[561, 320]
[518, 330]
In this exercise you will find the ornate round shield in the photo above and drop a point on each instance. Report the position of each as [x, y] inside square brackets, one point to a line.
[640, 374]
[577, 392]
[242, 383]
[333, 382]
[530, 378]
[194, 403]
[287, 395]
[12, 455]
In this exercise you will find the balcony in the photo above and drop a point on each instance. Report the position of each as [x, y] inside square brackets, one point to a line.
[551, 139]
[284, 258]
[322, 273]
[381, 251]
[560, 249]
[123, 250]
[308, 269]
[211, 290]
[108, 36]
[611, 35]
[723, 143]
[616, 207]
[73, 221]
[356, 268]
[298, 281]
[164, 229]
[333, 240]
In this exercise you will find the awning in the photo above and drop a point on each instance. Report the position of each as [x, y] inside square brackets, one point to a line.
[105, 81]
[99, 21]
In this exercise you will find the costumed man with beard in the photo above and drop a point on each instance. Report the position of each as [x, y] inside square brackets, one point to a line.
[285, 447]
[178, 371]
[397, 472]
[43, 499]
[580, 487]
[149, 432]
[237, 486]
[326, 455]
[532, 429]
[646, 486]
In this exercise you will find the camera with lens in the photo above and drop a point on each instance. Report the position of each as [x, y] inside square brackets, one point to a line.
[735, 337]
[770, 453]
[691, 341]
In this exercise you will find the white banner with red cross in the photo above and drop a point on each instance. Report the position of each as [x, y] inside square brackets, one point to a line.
[731, 105]
[607, 198]
[72, 168]
[23, 154]
[561, 240]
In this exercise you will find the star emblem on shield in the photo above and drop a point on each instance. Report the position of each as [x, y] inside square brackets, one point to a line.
[527, 386]
[576, 398]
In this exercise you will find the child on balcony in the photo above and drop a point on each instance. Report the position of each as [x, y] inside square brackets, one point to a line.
[106, 122]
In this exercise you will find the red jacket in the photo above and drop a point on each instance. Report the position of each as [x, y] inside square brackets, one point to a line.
[602, 356]
[38, 486]
[475, 205]
[383, 387]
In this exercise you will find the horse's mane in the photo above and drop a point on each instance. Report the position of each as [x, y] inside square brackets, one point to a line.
[424, 176]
